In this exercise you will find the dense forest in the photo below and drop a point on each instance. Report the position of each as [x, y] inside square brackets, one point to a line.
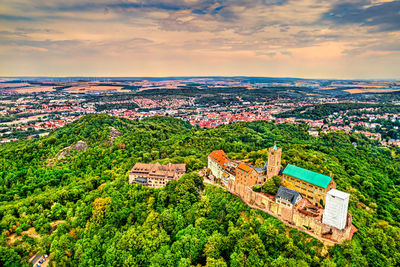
[317, 112]
[381, 97]
[224, 95]
[78, 207]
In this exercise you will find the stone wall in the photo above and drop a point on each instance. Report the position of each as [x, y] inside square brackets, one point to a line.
[289, 215]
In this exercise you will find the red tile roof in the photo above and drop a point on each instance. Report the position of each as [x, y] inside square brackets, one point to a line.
[219, 157]
[244, 167]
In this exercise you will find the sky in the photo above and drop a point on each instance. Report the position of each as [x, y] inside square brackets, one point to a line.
[329, 39]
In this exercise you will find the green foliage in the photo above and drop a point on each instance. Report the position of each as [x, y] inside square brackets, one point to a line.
[103, 220]
[9, 257]
[256, 188]
[388, 128]
[317, 112]
[272, 185]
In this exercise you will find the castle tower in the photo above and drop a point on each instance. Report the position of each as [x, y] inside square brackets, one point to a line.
[274, 161]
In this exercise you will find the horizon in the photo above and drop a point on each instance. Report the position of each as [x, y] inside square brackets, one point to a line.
[196, 76]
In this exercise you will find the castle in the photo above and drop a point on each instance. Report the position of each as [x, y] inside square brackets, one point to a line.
[314, 186]
[155, 175]
[307, 200]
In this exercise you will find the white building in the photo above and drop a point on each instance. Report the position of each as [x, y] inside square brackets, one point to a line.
[313, 132]
[216, 163]
[335, 213]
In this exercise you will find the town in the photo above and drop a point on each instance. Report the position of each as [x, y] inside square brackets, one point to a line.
[30, 109]
[306, 200]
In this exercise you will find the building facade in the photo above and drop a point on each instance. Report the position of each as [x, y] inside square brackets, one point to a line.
[335, 213]
[229, 174]
[155, 175]
[272, 167]
[216, 163]
[274, 161]
[311, 185]
[246, 175]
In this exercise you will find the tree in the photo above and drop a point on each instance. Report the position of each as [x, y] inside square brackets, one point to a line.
[111, 222]
[259, 163]
[8, 257]
[256, 188]
[214, 246]
[58, 211]
[211, 262]
[272, 185]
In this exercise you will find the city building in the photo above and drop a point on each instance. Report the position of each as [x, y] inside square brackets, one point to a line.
[287, 196]
[335, 213]
[311, 185]
[155, 175]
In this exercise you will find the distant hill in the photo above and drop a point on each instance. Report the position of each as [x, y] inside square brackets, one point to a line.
[82, 212]
[318, 112]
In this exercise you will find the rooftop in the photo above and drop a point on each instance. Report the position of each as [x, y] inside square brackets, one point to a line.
[158, 169]
[338, 194]
[219, 157]
[311, 177]
[245, 167]
[263, 168]
[288, 194]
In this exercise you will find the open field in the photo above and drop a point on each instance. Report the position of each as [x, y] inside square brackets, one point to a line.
[34, 89]
[12, 85]
[90, 88]
[370, 90]
[25, 120]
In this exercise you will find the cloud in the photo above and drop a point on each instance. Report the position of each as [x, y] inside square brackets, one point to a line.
[286, 53]
[274, 2]
[126, 6]
[15, 18]
[383, 16]
[46, 44]
[169, 35]
[374, 47]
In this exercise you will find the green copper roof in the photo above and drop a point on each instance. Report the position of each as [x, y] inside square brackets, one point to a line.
[275, 147]
[307, 176]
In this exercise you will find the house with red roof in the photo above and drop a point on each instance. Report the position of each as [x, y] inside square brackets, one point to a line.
[217, 163]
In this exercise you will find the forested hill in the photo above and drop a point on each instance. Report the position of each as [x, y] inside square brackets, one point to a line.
[318, 112]
[76, 178]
